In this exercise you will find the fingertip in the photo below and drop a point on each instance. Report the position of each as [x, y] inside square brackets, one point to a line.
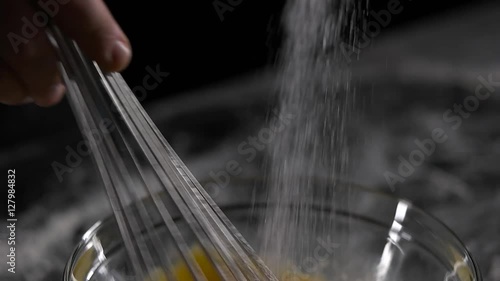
[92, 26]
[54, 96]
[118, 56]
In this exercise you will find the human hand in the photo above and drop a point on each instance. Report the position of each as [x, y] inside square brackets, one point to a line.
[28, 64]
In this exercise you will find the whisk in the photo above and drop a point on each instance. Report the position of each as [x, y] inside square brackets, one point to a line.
[135, 160]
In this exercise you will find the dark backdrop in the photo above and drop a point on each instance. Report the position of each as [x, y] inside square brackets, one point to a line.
[189, 39]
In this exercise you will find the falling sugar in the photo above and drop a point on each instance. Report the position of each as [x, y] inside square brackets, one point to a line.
[310, 156]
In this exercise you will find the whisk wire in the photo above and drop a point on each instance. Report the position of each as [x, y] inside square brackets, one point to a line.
[123, 156]
[206, 198]
[86, 122]
[126, 220]
[204, 211]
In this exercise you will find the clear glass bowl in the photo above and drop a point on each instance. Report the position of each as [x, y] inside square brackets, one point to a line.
[388, 239]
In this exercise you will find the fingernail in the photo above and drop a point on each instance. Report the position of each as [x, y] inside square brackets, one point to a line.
[120, 55]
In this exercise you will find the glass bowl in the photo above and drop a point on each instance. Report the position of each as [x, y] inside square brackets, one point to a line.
[388, 239]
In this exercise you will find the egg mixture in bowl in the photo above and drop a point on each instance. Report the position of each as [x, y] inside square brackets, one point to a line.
[374, 237]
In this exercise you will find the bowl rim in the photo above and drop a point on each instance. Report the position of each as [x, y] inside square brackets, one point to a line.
[87, 236]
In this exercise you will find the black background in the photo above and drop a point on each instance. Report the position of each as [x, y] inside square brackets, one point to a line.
[190, 41]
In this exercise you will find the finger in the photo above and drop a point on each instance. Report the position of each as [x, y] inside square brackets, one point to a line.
[11, 90]
[30, 56]
[90, 23]
[36, 65]
[51, 96]
[28, 53]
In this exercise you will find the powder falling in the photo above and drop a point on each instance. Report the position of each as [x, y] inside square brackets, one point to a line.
[310, 156]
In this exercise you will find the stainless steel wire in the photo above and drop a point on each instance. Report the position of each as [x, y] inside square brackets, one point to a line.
[135, 161]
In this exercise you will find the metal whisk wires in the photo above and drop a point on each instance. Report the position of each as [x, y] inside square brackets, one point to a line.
[136, 162]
